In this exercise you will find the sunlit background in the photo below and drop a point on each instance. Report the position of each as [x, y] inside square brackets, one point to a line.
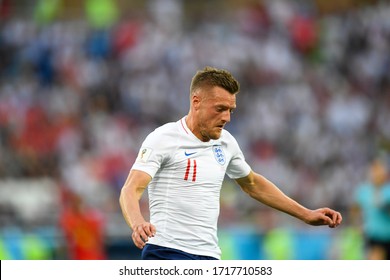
[83, 82]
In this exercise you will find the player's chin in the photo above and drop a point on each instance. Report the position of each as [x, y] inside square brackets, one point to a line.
[216, 134]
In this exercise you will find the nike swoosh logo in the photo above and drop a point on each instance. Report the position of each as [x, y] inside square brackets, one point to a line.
[188, 154]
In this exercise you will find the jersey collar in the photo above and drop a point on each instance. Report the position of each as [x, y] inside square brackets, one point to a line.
[187, 131]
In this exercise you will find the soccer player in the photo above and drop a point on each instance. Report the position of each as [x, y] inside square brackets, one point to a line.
[371, 208]
[183, 164]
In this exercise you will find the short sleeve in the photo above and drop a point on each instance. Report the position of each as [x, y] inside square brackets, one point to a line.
[238, 167]
[151, 155]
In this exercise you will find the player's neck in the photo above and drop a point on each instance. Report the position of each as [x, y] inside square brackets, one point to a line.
[193, 127]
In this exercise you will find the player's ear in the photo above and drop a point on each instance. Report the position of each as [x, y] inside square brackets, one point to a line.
[195, 100]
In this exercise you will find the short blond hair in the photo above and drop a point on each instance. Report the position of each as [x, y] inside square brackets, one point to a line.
[211, 77]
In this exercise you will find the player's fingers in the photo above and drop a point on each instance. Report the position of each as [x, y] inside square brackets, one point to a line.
[153, 228]
[329, 218]
[328, 221]
[337, 218]
[137, 240]
[334, 215]
[148, 229]
[139, 236]
[326, 218]
[327, 211]
[142, 233]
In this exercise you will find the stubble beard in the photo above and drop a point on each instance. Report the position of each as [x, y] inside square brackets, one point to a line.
[207, 136]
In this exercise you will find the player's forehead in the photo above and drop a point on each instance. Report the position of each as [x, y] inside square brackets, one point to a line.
[220, 96]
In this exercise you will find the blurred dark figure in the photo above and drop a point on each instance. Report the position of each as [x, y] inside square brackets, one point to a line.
[83, 229]
[372, 211]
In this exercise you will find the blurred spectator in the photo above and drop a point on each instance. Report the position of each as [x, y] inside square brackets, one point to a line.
[83, 229]
[373, 204]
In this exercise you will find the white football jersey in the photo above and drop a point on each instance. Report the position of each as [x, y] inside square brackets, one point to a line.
[184, 194]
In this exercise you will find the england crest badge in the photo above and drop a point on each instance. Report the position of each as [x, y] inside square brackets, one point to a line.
[218, 154]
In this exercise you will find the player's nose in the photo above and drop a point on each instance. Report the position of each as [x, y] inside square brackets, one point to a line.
[226, 117]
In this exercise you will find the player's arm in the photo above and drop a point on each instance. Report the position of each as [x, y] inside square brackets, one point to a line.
[131, 193]
[264, 191]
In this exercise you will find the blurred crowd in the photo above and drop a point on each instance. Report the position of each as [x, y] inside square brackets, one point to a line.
[79, 94]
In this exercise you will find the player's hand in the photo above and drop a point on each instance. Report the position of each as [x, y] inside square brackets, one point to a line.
[142, 232]
[324, 216]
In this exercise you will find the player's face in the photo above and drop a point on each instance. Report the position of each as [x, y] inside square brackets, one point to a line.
[215, 106]
[378, 173]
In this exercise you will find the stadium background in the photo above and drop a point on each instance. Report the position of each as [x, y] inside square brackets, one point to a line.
[83, 82]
